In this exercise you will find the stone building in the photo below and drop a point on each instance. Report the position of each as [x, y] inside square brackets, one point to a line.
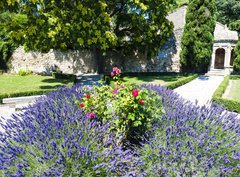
[225, 41]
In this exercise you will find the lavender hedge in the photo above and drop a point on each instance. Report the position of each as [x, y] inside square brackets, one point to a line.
[52, 138]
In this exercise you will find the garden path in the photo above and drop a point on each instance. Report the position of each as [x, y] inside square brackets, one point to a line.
[200, 89]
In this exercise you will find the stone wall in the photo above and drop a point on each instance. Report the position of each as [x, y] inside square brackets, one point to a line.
[167, 59]
[77, 62]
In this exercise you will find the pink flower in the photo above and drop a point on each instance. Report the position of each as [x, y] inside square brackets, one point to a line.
[141, 102]
[81, 105]
[112, 74]
[116, 70]
[115, 91]
[91, 115]
[135, 93]
[88, 96]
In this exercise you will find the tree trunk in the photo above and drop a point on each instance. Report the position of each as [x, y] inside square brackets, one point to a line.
[99, 58]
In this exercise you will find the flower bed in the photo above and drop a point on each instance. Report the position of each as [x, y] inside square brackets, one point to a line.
[58, 137]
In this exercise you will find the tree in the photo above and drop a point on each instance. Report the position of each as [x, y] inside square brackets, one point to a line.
[236, 64]
[132, 25]
[197, 39]
[228, 12]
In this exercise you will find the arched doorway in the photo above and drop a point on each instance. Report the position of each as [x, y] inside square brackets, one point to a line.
[232, 57]
[219, 59]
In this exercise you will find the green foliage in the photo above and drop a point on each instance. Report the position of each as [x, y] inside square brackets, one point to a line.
[236, 63]
[231, 105]
[181, 81]
[6, 45]
[221, 89]
[128, 25]
[228, 12]
[197, 39]
[132, 108]
[234, 77]
[24, 72]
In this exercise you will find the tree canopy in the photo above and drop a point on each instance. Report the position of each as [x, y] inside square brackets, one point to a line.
[106, 24]
[228, 12]
[197, 39]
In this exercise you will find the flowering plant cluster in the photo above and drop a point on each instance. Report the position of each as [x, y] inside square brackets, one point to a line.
[129, 110]
[116, 72]
[54, 138]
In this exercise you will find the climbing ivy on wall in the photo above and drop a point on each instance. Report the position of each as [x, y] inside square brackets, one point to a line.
[198, 38]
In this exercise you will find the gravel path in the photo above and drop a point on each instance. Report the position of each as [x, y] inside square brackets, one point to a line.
[200, 89]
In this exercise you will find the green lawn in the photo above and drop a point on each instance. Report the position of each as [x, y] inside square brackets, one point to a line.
[161, 79]
[14, 84]
[234, 92]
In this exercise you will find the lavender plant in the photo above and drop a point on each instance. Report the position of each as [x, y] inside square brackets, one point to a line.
[192, 141]
[53, 138]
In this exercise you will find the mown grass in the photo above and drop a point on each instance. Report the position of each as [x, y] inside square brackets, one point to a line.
[14, 84]
[234, 93]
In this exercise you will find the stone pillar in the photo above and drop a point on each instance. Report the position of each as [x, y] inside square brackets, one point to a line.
[227, 56]
[213, 58]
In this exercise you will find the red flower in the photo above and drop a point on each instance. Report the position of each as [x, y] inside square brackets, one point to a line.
[135, 93]
[81, 105]
[141, 102]
[88, 96]
[91, 115]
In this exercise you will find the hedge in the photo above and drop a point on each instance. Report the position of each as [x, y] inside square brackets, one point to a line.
[230, 105]
[171, 85]
[181, 82]
[234, 77]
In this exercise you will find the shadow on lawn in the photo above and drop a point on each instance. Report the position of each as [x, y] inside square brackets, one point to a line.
[52, 83]
[60, 81]
[171, 78]
[48, 87]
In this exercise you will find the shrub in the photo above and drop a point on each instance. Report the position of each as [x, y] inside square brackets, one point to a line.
[198, 38]
[236, 63]
[130, 110]
[234, 77]
[24, 72]
[181, 82]
[221, 89]
[230, 105]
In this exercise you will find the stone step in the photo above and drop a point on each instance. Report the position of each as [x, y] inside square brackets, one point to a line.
[25, 99]
[89, 79]
[216, 73]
